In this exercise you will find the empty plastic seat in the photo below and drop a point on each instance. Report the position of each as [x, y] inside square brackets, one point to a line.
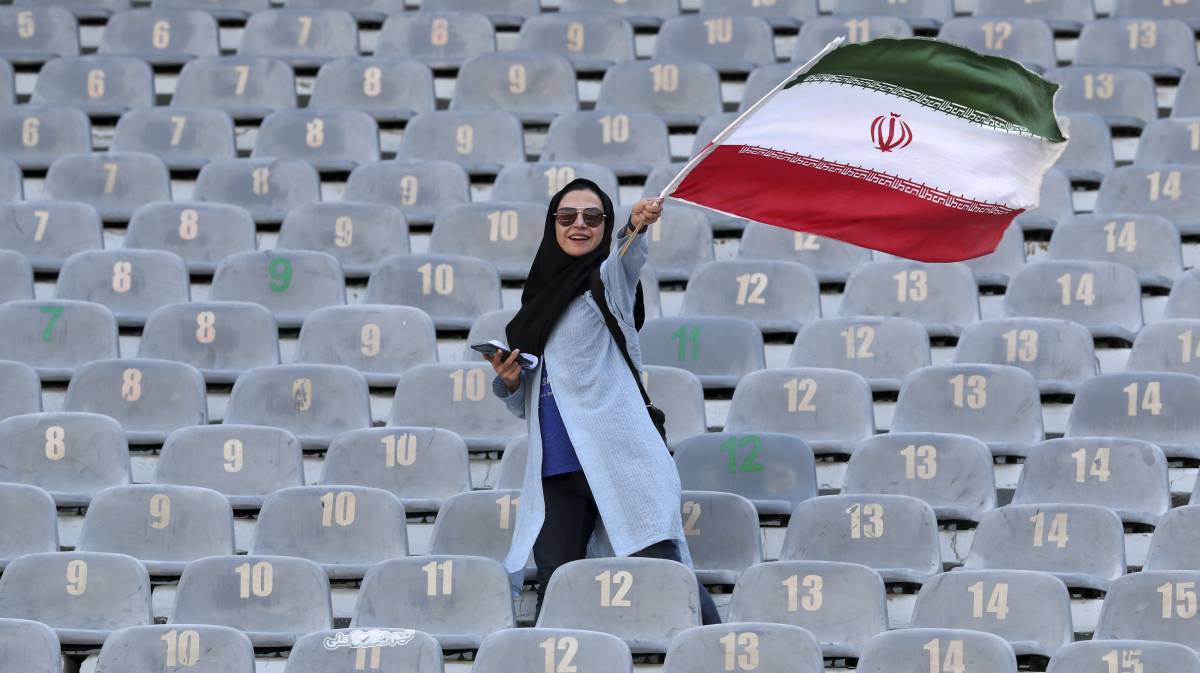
[267, 188]
[831, 260]
[1029, 41]
[221, 339]
[995, 269]
[35, 135]
[304, 38]
[942, 297]
[439, 39]
[1174, 545]
[243, 462]
[1165, 346]
[1150, 657]
[711, 127]
[329, 140]
[456, 599]
[925, 14]
[774, 471]
[534, 86]
[1162, 47]
[1103, 296]
[787, 14]
[342, 649]
[83, 596]
[1166, 141]
[819, 31]
[31, 35]
[1089, 153]
[184, 138]
[149, 398]
[681, 396]
[842, 604]
[16, 276]
[20, 389]
[490, 325]
[722, 535]
[526, 649]
[420, 188]
[140, 649]
[1184, 300]
[131, 283]
[115, 183]
[511, 473]
[592, 41]
[161, 36]
[314, 402]
[882, 350]
[379, 341]
[1055, 204]
[372, 11]
[679, 92]
[457, 397]
[481, 141]
[232, 10]
[505, 233]
[1187, 98]
[778, 296]
[388, 89]
[452, 289]
[539, 181]
[830, 409]
[1150, 605]
[731, 44]
[680, 241]
[201, 233]
[357, 234]
[1065, 15]
[1147, 243]
[631, 144]
[718, 350]
[84, 9]
[56, 337]
[661, 176]
[272, 599]
[164, 527]
[641, 13]
[1149, 406]
[101, 86]
[421, 466]
[31, 646]
[771, 648]
[291, 283]
[48, 232]
[761, 81]
[12, 182]
[476, 523]
[1059, 354]
[936, 649]
[245, 87]
[34, 530]
[1123, 96]
[503, 13]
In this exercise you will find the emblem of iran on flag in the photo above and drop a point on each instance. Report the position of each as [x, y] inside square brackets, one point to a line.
[914, 147]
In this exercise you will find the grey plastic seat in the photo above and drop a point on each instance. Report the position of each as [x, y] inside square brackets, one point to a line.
[267, 188]
[164, 527]
[631, 144]
[388, 89]
[1184, 300]
[718, 350]
[774, 471]
[12, 181]
[761, 81]
[441, 40]
[722, 535]
[942, 297]
[819, 31]
[379, 341]
[592, 41]
[476, 523]
[115, 183]
[1166, 141]
[952, 473]
[314, 402]
[1162, 47]
[37, 452]
[1103, 296]
[881, 350]
[711, 127]
[43, 34]
[998, 404]
[16, 276]
[20, 389]
[274, 600]
[57, 337]
[680, 92]
[1148, 243]
[201, 233]
[1124, 97]
[457, 397]
[456, 599]
[141, 649]
[771, 648]
[511, 473]
[1029, 609]
[490, 325]
[1089, 153]
[640, 13]
[923, 14]
[680, 242]
[367, 11]
[83, 596]
[538, 181]
[778, 296]
[149, 398]
[937, 649]
[481, 141]
[8, 87]
[35, 135]
[1150, 605]
[161, 36]
[454, 290]
[787, 14]
[225, 10]
[503, 13]
[48, 232]
[505, 233]
[303, 38]
[242, 462]
[329, 140]
[1151, 406]
[523, 650]
[681, 396]
[246, 87]
[1183, 12]
[1065, 16]
[651, 294]
[1026, 40]
[84, 9]
[30, 646]
[421, 466]
[220, 339]
[357, 234]
[661, 176]
[101, 86]
[1187, 98]
[291, 283]
[131, 283]
[1165, 346]
[832, 261]
[395, 650]
[536, 87]
[35, 530]
[842, 604]
[1128, 476]
[1055, 204]
[1173, 546]
[343, 528]
[1059, 354]
[184, 138]
[1151, 657]
[732, 44]
[420, 188]
[830, 409]
[995, 269]
[894, 534]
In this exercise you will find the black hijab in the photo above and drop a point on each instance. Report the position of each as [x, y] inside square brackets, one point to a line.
[555, 278]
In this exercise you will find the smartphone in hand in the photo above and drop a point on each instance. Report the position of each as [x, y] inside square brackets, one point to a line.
[490, 348]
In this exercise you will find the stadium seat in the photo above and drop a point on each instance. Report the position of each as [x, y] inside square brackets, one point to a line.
[1174, 545]
[1187, 97]
[57, 337]
[1151, 406]
[291, 283]
[681, 396]
[538, 181]
[115, 183]
[101, 86]
[718, 350]
[631, 144]
[1132, 8]
[20, 389]
[342, 649]
[774, 471]
[267, 188]
[12, 182]
[711, 127]
[661, 176]
[48, 232]
[722, 535]
[454, 290]
[141, 649]
[942, 297]
[1124, 97]
[227, 10]
[640, 13]
[1161, 47]
[1156, 348]
[421, 189]
[651, 295]
[481, 141]
[8, 86]
[1150, 605]
[33, 647]
[1147, 243]
[831, 260]
[220, 339]
[952, 473]
[511, 650]
[1166, 141]
[505, 233]
[274, 600]
[365, 11]
[476, 523]
[1105, 297]
[243, 462]
[388, 89]
[314, 402]
[592, 41]
[83, 9]
[247, 88]
[83, 596]
[343, 528]
[1064, 16]
[35, 135]
[161, 36]
[1089, 153]
[34, 531]
[771, 648]
[16, 276]
[921, 14]
[680, 92]
[881, 350]
[456, 599]
[378, 341]
[329, 140]
[819, 31]
[777, 296]
[842, 604]
[1059, 354]
[1184, 300]
[164, 527]
[680, 241]
[535, 87]
[490, 325]
[503, 13]
[994, 270]
[149, 398]
[786, 14]
[936, 649]
[762, 81]
[1149, 656]
[733, 44]
[304, 38]
[511, 473]
[1026, 40]
[830, 409]
[441, 40]
[34, 35]
[1055, 204]
[457, 397]
[131, 283]
[201, 233]
[357, 234]
[421, 466]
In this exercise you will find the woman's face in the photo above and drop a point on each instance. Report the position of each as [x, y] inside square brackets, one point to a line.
[578, 239]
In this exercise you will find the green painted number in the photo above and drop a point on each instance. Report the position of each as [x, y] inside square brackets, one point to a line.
[55, 312]
[750, 462]
[280, 271]
[685, 336]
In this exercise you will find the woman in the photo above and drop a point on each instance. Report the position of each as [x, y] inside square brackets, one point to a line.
[593, 450]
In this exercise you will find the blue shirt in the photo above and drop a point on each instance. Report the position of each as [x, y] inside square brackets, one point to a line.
[558, 454]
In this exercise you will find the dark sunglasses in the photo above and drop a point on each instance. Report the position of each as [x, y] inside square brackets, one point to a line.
[592, 217]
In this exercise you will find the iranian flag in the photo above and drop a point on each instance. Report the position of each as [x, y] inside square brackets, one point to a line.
[914, 147]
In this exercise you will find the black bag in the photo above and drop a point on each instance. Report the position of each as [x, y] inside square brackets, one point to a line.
[657, 416]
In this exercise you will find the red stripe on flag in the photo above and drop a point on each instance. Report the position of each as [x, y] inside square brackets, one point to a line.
[860, 212]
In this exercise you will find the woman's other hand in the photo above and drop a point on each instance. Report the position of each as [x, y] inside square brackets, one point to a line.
[508, 369]
[645, 212]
